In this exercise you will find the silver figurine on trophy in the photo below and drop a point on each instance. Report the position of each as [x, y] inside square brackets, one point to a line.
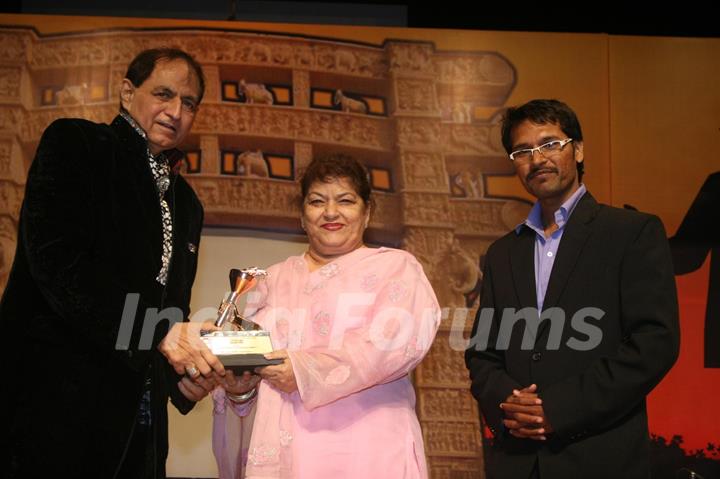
[240, 349]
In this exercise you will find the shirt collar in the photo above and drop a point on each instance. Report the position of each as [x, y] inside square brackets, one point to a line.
[160, 158]
[562, 214]
[124, 113]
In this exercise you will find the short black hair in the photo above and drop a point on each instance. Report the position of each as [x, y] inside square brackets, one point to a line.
[142, 66]
[543, 111]
[334, 166]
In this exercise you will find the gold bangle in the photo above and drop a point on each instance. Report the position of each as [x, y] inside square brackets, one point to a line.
[241, 398]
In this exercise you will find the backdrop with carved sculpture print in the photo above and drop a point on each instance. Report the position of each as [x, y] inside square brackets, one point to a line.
[420, 108]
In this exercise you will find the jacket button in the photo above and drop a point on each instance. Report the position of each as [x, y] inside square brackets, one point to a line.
[536, 356]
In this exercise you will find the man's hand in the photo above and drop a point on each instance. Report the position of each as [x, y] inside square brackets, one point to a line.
[524, 415]
[280, 376]
[187, 352]
[196, 389]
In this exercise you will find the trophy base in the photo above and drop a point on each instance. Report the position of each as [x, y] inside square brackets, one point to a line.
[239, 363]
[241, 351]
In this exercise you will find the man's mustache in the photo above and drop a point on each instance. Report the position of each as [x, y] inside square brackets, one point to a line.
[537, 171]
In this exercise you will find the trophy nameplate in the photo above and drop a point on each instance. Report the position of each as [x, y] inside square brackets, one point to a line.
[239, 350]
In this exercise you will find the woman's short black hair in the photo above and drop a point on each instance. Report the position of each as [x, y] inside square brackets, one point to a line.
[330, 167]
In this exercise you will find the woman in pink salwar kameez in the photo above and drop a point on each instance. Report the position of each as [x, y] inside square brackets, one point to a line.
[350, 322]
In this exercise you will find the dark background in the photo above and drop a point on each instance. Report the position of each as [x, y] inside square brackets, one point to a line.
[686, 19]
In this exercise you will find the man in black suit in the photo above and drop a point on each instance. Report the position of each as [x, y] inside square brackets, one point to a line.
[563, 391]
[106, 257]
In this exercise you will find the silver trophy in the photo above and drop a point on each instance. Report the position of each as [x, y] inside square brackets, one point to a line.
[244, 347]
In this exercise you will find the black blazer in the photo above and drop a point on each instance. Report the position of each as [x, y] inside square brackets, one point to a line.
[617, 261]
[90, 233]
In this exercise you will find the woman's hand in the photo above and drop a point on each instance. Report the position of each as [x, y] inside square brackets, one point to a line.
[238, 385]
[280, 376]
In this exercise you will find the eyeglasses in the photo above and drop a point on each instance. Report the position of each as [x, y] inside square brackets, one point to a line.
[549, 149]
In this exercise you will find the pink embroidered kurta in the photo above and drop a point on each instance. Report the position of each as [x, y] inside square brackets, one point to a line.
[353, 329]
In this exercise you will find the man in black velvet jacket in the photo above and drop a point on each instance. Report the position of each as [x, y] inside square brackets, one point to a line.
[565, 397]
[106, 257]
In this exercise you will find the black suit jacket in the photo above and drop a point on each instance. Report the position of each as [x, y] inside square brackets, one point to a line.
[594, 380]
[90, 233]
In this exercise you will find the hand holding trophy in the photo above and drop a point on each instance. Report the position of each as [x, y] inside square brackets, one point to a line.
[239, 349]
